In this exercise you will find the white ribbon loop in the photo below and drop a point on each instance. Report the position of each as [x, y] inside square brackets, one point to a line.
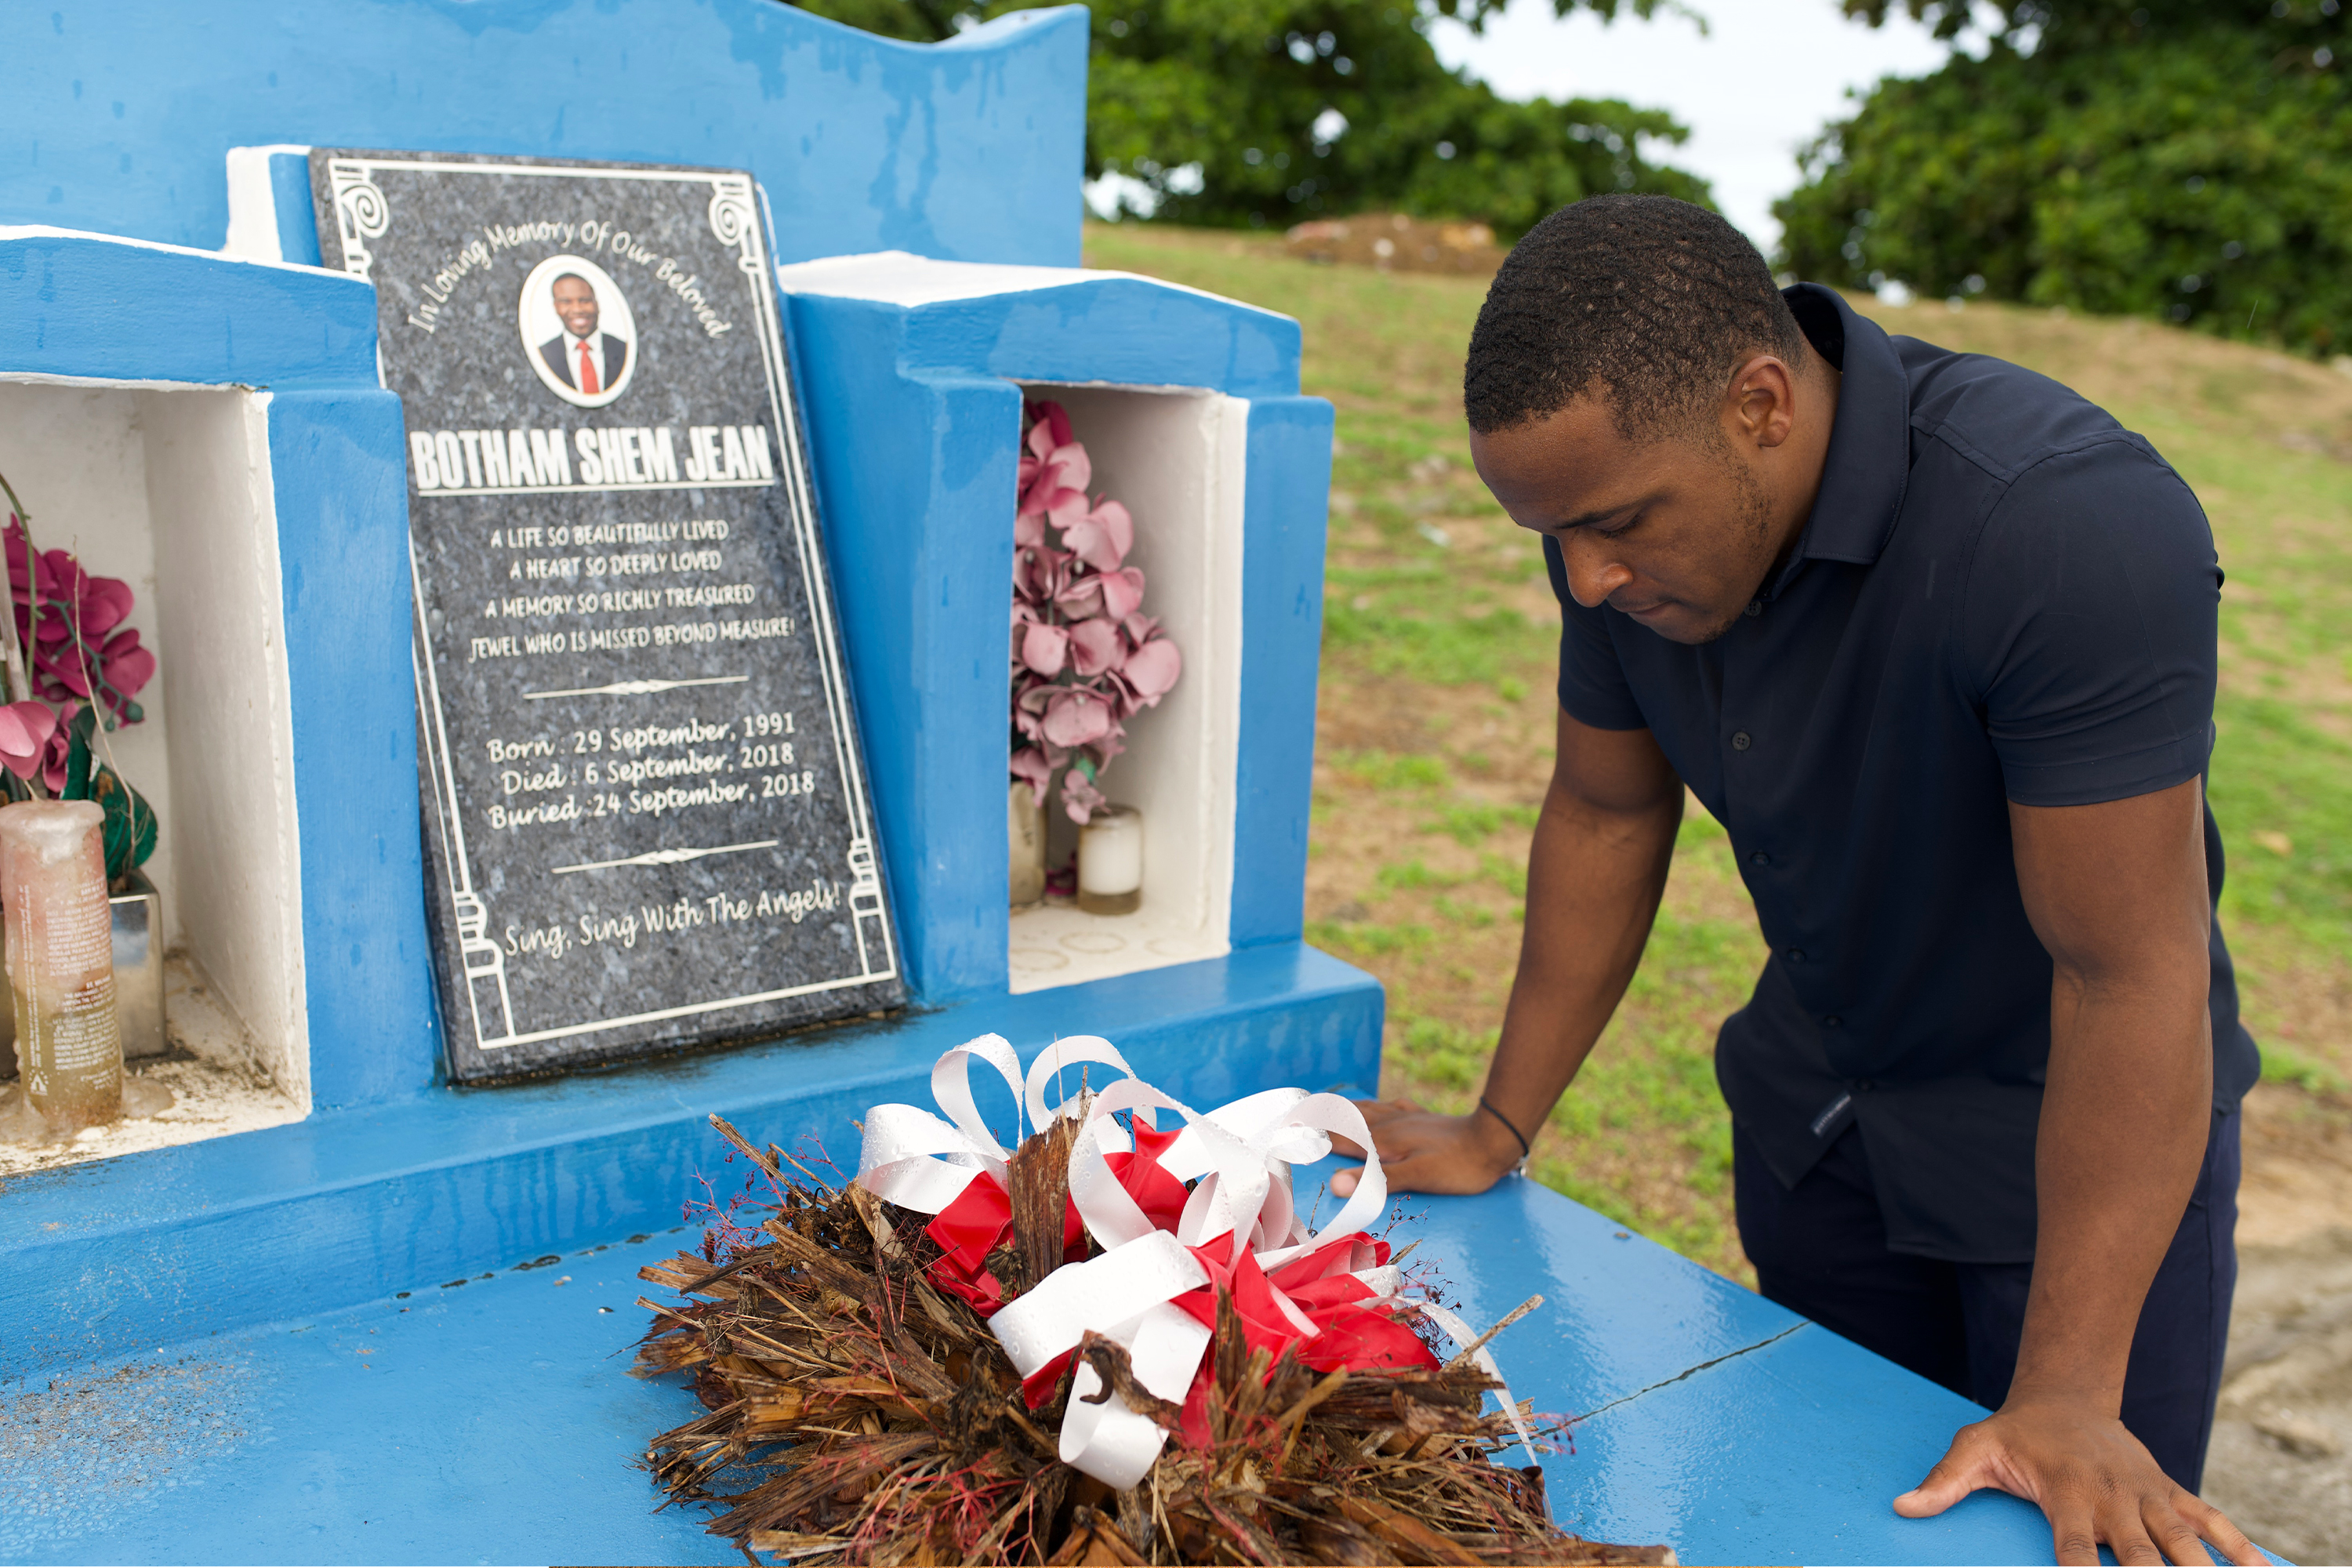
[1328, 1113]
[913, 1158]
[1077, 1050]
[951, 1088]
[1110, 1441]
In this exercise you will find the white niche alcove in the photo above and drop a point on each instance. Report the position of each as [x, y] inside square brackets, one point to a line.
[1174, 456]
[169, 489]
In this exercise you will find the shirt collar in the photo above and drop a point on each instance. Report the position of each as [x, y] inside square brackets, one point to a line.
[1869, 460]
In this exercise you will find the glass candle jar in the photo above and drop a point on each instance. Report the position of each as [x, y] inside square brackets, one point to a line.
[1110, 861]
[61, 958]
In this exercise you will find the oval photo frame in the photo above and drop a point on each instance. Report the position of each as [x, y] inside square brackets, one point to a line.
[539, 326]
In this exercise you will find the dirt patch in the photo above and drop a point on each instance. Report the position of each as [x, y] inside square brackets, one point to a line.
[75, 1438]
[2280, 1464]
[1392, 242]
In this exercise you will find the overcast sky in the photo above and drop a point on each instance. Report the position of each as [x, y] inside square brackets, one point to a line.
[1759, 85]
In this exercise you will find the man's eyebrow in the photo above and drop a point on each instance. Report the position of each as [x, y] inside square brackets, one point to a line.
[1591, 519]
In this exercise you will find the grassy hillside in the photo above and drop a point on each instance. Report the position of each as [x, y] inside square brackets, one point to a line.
[1435, 725]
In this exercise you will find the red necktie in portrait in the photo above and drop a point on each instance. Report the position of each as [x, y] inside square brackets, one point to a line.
[588, 383]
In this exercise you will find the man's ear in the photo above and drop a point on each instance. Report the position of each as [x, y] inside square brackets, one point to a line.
[1759, 403]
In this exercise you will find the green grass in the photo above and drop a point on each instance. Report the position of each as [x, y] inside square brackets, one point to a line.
[1436, 609]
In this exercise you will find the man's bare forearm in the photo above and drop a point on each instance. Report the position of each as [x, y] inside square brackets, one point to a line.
[2128, 1104]
[1594, 878]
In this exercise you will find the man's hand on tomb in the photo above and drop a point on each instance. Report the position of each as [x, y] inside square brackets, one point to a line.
[2096, 1482]
[1423, 1152]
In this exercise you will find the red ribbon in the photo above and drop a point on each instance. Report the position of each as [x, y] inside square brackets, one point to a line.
[1347, 1324]
[980, 1220]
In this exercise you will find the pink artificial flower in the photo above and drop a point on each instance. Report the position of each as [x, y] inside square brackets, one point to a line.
[1122, 592]
[1152, 669]
[1039, 575]
[1044, 649]
[1103, 537]
[1033, 767]
[1076, 716]
[1081, 598]
[1095, 649]
[1056, 421]
[1056, 470]
[24, 731]
[1084, 655]
[1080, 798]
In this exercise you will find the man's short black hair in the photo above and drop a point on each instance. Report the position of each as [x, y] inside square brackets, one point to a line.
[1654, 299]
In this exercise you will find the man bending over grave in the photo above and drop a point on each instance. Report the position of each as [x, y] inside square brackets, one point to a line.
[1933, 638]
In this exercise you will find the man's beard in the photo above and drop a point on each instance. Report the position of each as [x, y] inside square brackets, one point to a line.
[1753, 529]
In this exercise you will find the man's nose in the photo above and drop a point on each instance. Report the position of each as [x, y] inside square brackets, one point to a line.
[1593, 571]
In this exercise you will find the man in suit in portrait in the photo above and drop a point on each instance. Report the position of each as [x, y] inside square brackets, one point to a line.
[583, 358]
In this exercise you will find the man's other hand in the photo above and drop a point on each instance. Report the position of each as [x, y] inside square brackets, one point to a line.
[2096, 1482]
[1423, 1152]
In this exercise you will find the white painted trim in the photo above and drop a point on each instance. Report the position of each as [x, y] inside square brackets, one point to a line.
[221, 611]
[900, 278]
[253, 203]
[43, 231]
[113, 383]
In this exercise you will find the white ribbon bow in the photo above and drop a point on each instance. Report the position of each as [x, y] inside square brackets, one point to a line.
[1239, 1156]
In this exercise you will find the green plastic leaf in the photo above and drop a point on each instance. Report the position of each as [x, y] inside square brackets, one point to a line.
[129, 825]
[77, 758]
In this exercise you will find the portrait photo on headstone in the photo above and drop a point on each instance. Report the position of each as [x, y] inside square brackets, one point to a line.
[576, 324]
[647, 822]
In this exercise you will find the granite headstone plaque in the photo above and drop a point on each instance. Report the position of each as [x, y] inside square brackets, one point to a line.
[647, 822]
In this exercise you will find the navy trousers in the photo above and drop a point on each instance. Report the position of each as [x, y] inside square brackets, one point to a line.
[1821, 1250]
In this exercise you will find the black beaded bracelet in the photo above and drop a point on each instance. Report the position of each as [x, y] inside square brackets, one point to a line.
[1524, 1152]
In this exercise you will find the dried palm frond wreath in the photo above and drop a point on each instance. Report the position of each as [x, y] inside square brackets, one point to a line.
[877, 1392]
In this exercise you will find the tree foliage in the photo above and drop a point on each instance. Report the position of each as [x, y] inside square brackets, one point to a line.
[1261, 113]
[2189, 159]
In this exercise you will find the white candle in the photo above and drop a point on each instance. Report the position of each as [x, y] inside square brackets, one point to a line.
[61, 961]
[1110, 861]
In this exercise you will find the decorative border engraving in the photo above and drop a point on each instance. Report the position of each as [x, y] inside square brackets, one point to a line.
[668, 857]
[361, 212]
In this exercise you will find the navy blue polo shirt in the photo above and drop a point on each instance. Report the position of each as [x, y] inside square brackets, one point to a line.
[2002, 595]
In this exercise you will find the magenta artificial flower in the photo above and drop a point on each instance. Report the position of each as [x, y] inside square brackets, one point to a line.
[24, 731]
[69, 644]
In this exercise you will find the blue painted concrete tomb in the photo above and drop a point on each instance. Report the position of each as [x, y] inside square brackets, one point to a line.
[312, 1343]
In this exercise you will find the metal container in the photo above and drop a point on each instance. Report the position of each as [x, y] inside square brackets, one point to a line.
[138, 976]
[138, 967]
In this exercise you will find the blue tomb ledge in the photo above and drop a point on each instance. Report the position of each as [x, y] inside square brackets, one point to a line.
[495, 1420]
[99, 1260]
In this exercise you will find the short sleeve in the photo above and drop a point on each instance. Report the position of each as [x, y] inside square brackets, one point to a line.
[2088, 630]
[1592, 686]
